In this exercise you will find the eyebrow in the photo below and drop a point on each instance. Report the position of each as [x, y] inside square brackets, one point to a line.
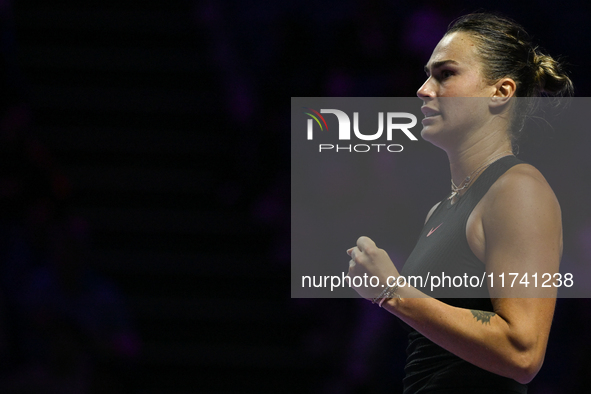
[440, 63]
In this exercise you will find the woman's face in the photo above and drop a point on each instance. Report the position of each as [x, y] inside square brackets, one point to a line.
[454, 81]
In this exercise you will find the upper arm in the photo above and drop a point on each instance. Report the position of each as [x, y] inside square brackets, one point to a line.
[522, 229]
[523, 240]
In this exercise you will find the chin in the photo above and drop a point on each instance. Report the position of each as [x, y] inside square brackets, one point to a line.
[433, 136]
[429, 134]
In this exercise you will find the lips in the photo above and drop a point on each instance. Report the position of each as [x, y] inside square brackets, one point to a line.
[429, 112]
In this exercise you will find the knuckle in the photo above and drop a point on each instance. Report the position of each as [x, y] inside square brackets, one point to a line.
[372, 251]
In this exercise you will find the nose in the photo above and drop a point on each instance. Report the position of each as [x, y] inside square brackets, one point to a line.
[426, 90]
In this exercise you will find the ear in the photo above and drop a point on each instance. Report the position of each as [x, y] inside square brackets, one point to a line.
[504, 90]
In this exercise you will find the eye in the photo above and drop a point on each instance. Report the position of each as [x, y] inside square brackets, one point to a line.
[446, 74]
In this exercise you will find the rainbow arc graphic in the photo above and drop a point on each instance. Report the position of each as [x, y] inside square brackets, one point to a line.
[316, 118]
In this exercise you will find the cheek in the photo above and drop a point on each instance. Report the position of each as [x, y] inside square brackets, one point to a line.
[480, 88]
[459, 113]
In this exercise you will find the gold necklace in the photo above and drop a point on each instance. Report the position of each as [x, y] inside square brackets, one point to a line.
[455, 190]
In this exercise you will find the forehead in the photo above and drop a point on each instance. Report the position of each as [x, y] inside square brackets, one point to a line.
[457, 46]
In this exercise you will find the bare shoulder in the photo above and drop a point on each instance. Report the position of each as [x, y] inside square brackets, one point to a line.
[520, 209]
[522, 186]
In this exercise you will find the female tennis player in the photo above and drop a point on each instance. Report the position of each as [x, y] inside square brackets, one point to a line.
[500, 218]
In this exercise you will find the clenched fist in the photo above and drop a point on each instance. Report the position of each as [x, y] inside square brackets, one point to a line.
[369, 268]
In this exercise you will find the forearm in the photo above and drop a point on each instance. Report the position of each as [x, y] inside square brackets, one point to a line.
[485, 339]
[511, 343]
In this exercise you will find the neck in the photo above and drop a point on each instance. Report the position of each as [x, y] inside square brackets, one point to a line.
[464, 162]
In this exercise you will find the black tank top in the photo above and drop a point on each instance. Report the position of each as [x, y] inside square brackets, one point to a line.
[443, 248]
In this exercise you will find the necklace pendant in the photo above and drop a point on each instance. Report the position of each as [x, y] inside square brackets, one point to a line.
[452, 195]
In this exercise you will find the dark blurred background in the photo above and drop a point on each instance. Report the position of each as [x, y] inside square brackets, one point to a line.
[144, 192]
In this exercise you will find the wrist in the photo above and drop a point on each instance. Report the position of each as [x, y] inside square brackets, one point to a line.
[387, 293]
[393, 304]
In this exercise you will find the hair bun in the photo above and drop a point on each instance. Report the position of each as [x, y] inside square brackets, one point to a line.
[549, 76]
